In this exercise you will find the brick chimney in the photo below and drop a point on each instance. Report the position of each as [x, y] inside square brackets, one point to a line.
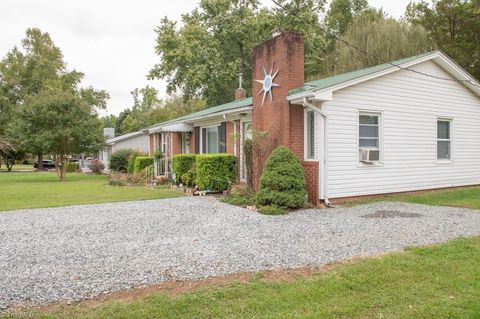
[282, 57]
[240, 93]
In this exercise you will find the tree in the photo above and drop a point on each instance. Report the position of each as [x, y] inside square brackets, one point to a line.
[454, 25]
[66, 119]
[51, 113]
[386, 39]
[26, 73]
[204, 56]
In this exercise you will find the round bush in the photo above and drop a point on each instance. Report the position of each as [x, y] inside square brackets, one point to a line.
[119, 160]
[282, 184]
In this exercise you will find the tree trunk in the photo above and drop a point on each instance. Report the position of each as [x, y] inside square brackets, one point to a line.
[40, 162]
[61, 165]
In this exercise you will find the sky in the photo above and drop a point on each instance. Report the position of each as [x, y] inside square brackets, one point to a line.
[112, 42]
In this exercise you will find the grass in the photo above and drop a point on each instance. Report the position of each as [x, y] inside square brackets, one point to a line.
[441, 281]
[34, 190]
[468, 197]
[17, 168]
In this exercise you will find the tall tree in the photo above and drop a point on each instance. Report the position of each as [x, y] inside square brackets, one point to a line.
[204, 56]
[454, 25]
[26, 73]
[51, 113]
[386, 39]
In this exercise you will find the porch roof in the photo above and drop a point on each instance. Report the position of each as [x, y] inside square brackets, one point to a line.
[173, 127]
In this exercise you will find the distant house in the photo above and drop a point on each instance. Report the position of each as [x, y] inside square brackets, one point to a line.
[135, 141]
[409, 125]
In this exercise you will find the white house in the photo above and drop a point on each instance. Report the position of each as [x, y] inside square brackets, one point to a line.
[407, 125]
[135, 141]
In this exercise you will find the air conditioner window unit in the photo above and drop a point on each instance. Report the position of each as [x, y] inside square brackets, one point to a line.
[369, 155]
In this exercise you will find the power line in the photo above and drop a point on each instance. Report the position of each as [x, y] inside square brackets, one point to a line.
[331, 34]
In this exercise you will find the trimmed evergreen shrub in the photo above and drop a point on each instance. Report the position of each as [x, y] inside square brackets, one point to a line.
[142, 162]
[119, 160]
[282, 184]
[215, 172]
[131, 160]
[181, 164]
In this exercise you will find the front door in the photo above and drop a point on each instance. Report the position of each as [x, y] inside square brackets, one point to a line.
[246, 134]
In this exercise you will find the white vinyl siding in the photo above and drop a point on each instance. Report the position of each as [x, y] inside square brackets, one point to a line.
[410, 105]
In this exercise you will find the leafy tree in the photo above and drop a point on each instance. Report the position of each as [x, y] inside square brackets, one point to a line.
[454, 25]
[386, 39]
[205, 55]
[342, 12]
[109, 121]
[51, 113]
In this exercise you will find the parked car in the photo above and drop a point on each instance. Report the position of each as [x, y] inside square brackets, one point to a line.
[46, 164]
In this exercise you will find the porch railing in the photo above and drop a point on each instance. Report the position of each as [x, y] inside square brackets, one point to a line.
[162, 167]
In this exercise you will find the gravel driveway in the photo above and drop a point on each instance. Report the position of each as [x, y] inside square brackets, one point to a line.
[69, 253]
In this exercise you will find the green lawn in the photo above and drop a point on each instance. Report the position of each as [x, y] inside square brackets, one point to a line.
[28, 190]
[468, 197]
[17, 168]
[440, 281]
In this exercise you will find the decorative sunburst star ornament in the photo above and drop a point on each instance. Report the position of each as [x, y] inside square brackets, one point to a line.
[267, 83]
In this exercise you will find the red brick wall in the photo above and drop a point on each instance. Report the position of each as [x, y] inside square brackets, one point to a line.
[282, 122]
[176, 143]
[230, 138]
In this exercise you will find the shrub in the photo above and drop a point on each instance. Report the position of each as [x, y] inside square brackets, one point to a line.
[142, 162]
[119, 160]
[240, 195]
[181, 165]
[215, 172]
[190, 177]
[72, 167]
[117, 179]
[282, 184]
[96, 166]
[131, 160]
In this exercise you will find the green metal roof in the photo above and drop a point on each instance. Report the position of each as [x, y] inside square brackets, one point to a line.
[344, 77]
[217, 109]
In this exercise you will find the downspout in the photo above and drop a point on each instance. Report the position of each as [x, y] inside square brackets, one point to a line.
[324, 160]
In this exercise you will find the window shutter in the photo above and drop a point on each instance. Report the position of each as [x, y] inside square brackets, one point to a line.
[222, 138]
[196, 132]
[204, 140]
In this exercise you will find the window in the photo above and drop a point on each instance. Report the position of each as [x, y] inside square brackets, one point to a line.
[310, 134]
[185, 142]
[369, 131]
[211, 140]
[444, 143]
[369, 138]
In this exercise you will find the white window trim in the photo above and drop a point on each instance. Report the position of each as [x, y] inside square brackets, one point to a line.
[450, 160]
[380, 115]
[306, 155]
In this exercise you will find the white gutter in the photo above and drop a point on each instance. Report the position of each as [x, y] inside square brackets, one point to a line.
[323, 161]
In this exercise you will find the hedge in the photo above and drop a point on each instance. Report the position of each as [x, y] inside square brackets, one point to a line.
[215, 172]
[282, 184]
[72, 167]
[119, 160]
[142, 162]
[181, 164]
[131, 160]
